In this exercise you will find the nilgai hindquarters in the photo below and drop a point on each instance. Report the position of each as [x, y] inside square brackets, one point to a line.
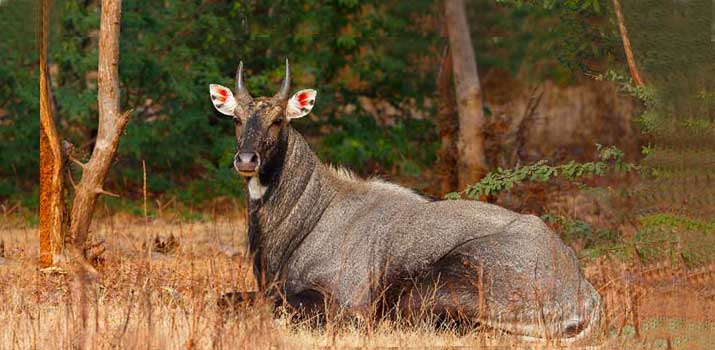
[321, 236]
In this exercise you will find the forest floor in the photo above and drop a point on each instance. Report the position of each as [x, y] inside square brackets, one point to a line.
[163, 295]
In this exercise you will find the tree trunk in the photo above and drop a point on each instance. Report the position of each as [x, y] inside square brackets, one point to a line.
[472, 161]
[51, 185]
[635, 75]
[447, 125]
[110, 127]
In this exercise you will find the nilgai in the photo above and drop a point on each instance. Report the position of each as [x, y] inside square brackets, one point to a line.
[321, 236]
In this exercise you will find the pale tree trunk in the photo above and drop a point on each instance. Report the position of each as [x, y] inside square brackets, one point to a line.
[51, 185]
[110, 127]
[635, 75]
[470, 145]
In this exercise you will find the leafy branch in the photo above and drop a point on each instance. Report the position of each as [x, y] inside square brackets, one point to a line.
[610, 158]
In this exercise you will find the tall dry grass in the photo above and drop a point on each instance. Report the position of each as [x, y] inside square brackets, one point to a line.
[163, 295]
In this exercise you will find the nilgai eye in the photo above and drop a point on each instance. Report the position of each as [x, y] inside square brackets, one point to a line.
[278, 121]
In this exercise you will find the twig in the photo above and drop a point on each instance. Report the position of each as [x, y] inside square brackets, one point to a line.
[79, 163]
[105, 192]
[146, 218]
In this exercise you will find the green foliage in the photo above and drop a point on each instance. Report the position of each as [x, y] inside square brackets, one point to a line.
[553, 4]
[675, 237]
[672, 43]
[644, 93]
[574, 229]
[171, 50]
[19, 120]
[652, 118]
[553, 38]
[610, 158]
[662, 220]
[661, 237]
[363, 144]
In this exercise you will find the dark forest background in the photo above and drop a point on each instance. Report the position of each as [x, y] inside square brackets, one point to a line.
[375, 65]
[373, 62]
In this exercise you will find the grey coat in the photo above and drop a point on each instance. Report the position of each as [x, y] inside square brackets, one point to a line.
[316, 230]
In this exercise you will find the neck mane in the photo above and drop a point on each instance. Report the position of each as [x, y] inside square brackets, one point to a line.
[290, 199]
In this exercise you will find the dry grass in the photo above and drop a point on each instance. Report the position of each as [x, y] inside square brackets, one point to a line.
[148, 300]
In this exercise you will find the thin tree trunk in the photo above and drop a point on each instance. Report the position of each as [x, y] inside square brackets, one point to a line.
[525, 124]
[472, 161]
[447, 125]
[110, 127]
[712, 23]
[635, 75]
[51, 185]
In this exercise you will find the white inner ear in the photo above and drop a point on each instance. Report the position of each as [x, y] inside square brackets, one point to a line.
[301, 103]
[222, 98]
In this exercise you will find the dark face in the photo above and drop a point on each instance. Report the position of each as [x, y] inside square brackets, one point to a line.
[259, 126]
[260, 122]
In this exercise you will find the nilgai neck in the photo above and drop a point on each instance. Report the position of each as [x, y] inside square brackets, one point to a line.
[295, 192]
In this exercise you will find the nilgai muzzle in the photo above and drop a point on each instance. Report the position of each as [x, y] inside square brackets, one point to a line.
[321, 236]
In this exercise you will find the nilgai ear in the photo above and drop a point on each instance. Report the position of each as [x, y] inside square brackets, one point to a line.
[301, 103]
[222, 98]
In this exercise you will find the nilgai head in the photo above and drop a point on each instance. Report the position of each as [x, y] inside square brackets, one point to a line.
[260, 121]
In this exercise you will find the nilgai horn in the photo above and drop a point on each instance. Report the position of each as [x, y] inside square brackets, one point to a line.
[319, 235]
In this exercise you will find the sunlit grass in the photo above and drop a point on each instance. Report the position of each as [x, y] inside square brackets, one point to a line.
[147, 300]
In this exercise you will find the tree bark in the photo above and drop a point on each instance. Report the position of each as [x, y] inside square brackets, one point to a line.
[635, 75]
[447, 125]
[110, 127]
[472, 161]
[712, 23]
[51, 185]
